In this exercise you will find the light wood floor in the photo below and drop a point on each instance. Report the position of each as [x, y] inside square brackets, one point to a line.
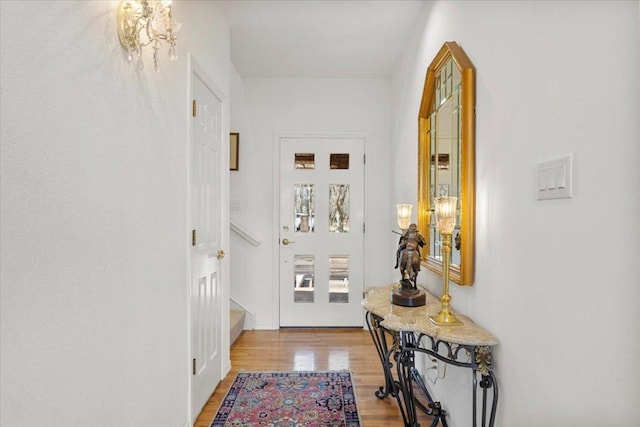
[309, 350]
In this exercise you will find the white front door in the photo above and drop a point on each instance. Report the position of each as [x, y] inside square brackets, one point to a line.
[206, 221]
[321, 231]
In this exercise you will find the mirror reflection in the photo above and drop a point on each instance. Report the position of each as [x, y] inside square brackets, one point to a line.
[446, 157]
[445, 152]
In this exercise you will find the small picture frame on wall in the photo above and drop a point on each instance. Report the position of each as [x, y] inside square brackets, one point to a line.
[234, 146]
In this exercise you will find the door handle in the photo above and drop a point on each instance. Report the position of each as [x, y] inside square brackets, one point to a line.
[220, 254]
[287, 241]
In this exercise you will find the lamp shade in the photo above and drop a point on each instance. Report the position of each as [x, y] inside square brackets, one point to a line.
[404, 215]
[446, 214]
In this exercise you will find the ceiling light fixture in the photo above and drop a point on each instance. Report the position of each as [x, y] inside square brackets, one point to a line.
[141, 24]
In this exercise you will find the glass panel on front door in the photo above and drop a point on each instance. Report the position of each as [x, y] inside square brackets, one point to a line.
[339, 208]
[304, 208]
[339, 278]
[305, 161]
[303, 270]
[339, 161]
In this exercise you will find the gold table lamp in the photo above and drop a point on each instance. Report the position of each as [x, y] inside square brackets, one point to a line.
[445, 222]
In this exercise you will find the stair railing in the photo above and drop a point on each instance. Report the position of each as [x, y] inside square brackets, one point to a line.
[242, 232]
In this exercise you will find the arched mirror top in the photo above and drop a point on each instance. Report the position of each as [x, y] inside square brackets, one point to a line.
[446, 150]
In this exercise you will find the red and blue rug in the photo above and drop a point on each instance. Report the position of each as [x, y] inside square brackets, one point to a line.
[289, 399]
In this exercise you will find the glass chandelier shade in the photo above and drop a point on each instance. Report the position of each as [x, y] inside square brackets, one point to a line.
[404, 215]
[143, 23]
[446, 214]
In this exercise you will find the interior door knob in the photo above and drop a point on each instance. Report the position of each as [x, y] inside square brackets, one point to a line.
[220, 254]
[287, 241]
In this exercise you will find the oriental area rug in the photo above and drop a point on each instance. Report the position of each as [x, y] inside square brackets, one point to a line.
[289, 399]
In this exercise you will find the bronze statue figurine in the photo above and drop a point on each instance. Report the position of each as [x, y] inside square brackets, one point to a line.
[408, 259]
[408, 256]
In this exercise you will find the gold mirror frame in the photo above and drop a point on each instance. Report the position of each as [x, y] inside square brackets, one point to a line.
[461, 273]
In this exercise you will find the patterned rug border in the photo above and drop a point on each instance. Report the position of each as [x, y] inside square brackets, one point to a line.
[350, 372]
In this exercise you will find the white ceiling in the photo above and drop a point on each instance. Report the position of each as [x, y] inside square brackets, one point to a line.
[319, 38]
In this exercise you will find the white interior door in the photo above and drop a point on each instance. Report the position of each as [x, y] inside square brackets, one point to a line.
[206, 219]
[321, 231]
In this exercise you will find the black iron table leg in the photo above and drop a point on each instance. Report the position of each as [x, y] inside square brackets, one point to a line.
[408, 378]
[378, 335]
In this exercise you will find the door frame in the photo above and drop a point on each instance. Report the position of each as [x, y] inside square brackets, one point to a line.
[195, 69]
[275, 245]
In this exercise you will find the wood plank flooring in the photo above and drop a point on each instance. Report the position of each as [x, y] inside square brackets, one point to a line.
[309, 350]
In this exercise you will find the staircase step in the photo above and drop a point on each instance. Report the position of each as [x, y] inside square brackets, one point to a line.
[236, 322]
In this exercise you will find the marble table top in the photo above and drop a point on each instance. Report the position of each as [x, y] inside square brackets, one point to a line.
[416, 319]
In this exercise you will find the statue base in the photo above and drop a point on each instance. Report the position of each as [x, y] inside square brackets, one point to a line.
[408, 297]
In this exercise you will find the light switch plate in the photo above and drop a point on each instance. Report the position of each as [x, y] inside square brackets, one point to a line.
[236, 204]
[554, 178]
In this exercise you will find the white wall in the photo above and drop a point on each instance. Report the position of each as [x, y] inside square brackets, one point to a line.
[555, 281]
[264, 107]
[94, 228]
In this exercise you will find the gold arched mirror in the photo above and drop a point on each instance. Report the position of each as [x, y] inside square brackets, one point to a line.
[446, 157]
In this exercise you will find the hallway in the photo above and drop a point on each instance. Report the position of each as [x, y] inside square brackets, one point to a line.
[96, 213]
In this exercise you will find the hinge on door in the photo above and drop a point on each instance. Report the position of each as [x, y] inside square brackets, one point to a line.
[194, 366]
[363, 228]
[194, 108]
[364, 159]
[193, 237]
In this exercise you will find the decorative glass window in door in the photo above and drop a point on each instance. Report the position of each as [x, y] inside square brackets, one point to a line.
[303, 270]
[305, 161]
[304, 208]
[338, 208]
[339, 161]
[339, 278]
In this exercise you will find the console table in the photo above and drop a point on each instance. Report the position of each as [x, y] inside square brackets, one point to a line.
[400, 332]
